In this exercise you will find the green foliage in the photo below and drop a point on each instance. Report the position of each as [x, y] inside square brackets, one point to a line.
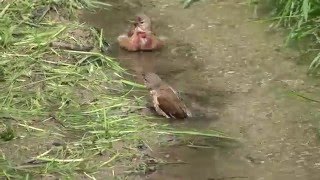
[7, 134]
[187, 3]
[71, 112]
[302, 17]
[50, 93]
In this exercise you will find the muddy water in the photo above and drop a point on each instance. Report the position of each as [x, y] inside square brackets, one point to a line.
[236, 77]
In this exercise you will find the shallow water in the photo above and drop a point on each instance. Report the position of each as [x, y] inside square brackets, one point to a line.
[236, 77]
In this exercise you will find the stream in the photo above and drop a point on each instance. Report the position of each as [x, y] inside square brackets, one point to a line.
[236, 77]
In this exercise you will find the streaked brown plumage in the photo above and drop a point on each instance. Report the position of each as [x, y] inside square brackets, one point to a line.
[165, 99]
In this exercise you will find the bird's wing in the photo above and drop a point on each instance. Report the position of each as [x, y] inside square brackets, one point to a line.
[154, 95]
[182, 105]
[169, 103]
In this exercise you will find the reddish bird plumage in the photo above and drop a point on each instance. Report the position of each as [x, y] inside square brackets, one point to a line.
[140, 37]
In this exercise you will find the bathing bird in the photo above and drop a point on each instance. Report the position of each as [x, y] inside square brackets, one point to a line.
[140, 37]
[166, 100]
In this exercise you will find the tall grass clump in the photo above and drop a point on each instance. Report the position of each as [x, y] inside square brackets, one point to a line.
[66, 110]
[302, 18]
[61, 111]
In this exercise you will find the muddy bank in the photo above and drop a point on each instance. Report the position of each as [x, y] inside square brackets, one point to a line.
[65, 111]
[238, 78]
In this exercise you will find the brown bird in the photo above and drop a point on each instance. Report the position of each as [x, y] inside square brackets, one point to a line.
[166, 100]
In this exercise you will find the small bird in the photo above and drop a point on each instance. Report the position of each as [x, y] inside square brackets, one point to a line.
[142, 21]
[166, 100]
[140, 37]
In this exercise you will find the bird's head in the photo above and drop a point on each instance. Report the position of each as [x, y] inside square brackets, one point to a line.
[152, 80]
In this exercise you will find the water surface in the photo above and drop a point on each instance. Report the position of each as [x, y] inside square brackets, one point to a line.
[236, 77]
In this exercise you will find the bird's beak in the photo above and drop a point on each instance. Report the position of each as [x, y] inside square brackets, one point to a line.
[139, 29]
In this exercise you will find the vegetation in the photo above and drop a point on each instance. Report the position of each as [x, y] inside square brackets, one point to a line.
[302, 18]
[187, 3]
[66, 108]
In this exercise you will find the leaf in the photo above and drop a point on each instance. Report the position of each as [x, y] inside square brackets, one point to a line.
[132, 84]
[315, 63]
[4, 10]
[215, 134]
[187, 3]
[305, 9]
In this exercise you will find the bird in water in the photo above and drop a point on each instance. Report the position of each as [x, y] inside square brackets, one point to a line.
[140, 37]
[142, 21]
[166, 100]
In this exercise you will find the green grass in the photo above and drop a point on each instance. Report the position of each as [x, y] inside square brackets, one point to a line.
[65, 113]
[188, 3]
[302, 18]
